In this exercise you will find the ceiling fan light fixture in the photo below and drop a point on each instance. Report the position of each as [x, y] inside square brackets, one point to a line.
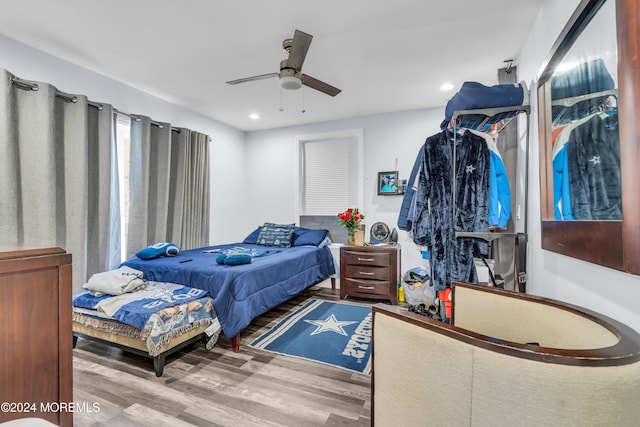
[290, 82]
[290, 75]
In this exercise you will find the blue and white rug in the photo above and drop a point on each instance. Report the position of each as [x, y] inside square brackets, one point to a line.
[337, 334]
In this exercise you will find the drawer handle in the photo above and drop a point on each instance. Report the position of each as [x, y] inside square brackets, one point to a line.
[365, 259]
[366, 287]
[366, 273]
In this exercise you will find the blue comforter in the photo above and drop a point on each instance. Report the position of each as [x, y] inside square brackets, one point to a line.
[242, 292]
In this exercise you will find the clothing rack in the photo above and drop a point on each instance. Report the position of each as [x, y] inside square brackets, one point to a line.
[477, 119]
[491, 115]
[568, 103]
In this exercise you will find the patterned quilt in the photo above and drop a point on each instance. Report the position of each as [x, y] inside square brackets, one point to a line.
[135, 308]
[172, 311]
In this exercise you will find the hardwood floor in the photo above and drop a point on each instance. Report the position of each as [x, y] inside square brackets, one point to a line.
[218, 387]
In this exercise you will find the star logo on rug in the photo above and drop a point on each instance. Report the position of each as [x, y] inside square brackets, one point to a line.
[330, 324]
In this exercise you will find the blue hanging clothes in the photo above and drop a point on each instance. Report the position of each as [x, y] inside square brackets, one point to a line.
[586, 169]
[499, 190]
[593, 156]
[474, 95]
[436, 222]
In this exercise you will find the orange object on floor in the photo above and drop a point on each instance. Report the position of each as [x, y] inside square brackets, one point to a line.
[445, 296]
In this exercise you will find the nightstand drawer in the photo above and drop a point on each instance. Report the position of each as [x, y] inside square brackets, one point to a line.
[368, 272]
[355, 257]
[366, 288]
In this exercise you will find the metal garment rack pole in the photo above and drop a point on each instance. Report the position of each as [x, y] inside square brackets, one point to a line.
[567, 103]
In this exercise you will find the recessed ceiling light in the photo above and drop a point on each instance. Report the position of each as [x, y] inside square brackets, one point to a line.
[254, 116]
[445, 87]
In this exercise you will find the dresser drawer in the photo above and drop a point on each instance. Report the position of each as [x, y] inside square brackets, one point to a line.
[355, 257]
[368, 272]
[366, 288]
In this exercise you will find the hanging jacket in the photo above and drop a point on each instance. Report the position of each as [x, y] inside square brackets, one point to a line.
[561, 192]
[597, 186]
[593, 155]
[499, 190]
[436, 220]
[407, 209]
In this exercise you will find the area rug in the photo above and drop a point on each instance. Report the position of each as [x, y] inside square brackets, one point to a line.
[337, 334]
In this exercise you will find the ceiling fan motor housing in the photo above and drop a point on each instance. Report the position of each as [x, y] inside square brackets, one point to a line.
[286, 45]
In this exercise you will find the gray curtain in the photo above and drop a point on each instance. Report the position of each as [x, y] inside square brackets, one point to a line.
[58, 180]
[169, 186]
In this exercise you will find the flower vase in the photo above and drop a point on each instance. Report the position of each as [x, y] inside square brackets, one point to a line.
[351, 240]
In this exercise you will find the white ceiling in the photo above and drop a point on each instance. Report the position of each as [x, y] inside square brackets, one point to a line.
[385, 55]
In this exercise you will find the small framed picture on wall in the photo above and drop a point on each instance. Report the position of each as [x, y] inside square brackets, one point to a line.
[387, 183]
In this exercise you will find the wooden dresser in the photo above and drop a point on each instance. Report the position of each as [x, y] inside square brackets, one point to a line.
[370, 272]
[35, 334]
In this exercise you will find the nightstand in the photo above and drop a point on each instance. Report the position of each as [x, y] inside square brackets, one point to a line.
[370, 272]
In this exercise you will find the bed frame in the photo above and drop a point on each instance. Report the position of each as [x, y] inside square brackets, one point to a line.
[137, 346]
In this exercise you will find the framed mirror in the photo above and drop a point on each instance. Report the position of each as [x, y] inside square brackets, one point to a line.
[589, 135]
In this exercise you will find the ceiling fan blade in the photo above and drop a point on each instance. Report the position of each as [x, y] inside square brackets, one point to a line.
[320, 85]
[299, 49]
[250, 79]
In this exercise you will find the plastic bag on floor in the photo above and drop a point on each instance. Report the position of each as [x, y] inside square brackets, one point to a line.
[418, 288]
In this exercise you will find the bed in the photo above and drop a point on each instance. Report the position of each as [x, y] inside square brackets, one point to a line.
[155, 321]
[243, 292]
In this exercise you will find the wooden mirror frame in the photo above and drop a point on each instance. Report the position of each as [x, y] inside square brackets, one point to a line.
[613, 244]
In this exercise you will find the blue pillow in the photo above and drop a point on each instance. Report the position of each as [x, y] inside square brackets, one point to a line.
[157, 250]
[235, 259]
[252, 238]
[307, 236]
[278, 235]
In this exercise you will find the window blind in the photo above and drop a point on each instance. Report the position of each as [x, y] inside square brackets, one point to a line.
[330, 173]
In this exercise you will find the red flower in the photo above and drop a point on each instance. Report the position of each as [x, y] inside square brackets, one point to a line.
[350, 219]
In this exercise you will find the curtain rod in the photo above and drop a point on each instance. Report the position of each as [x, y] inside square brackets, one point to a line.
[27, 85]
[137, 119]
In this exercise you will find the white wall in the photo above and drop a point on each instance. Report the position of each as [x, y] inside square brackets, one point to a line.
[387, 137]
[227, 148]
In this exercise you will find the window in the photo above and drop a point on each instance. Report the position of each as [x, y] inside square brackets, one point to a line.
[330, 176]
[123, 142]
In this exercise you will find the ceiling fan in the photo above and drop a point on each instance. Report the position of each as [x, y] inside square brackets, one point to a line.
[291, 76]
